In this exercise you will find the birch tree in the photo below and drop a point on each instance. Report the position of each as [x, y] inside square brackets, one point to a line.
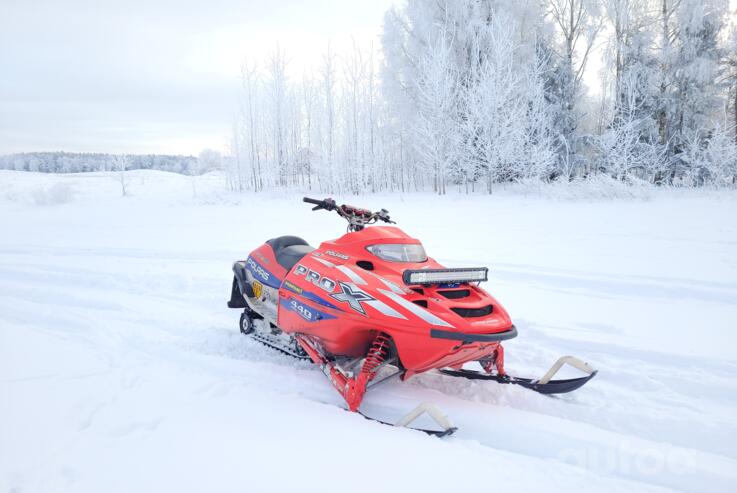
[577, 24]
[436, 126]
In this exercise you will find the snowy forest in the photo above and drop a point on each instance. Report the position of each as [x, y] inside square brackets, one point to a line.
[467, 94]
[81, 162]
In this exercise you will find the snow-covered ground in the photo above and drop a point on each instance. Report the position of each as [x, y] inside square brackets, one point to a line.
[121, 369]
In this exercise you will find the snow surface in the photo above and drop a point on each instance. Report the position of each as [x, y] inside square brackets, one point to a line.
[121, 369]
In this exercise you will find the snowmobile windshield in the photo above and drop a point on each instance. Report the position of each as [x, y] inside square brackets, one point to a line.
[399, 252]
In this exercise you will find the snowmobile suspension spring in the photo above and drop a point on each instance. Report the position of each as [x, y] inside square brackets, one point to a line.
[377, 353]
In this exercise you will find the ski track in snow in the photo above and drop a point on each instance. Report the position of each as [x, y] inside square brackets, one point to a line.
[121, 369]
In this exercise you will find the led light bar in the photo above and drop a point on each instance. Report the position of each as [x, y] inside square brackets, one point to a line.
[445, 276]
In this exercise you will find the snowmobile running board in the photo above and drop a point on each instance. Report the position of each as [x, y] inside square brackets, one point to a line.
[544, 385]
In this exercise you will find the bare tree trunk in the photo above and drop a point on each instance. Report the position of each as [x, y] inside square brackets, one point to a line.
[734, 107]
[121, 164]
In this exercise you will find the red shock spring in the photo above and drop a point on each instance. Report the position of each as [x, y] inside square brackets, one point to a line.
[376, 355]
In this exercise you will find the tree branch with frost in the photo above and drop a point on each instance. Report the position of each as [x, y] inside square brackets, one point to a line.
[435, 130]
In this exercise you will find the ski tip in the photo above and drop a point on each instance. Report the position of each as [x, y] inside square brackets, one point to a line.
[438, 433]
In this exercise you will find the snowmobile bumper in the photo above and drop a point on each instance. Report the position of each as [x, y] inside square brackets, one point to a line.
[466, 337]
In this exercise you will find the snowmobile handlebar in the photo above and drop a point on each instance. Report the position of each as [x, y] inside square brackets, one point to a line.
[357, 217]
[327, 204]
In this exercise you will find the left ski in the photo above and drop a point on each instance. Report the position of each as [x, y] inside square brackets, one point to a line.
[431, 410]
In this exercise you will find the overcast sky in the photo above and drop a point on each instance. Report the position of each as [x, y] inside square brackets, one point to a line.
[150, 76]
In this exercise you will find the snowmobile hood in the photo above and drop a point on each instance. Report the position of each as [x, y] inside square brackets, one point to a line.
[464, 307]
[374, 234]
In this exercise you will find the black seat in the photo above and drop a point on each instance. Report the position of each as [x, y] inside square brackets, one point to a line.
[288, 256]
[289, 250]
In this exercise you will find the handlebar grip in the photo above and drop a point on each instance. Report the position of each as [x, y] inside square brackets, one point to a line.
[312, 201]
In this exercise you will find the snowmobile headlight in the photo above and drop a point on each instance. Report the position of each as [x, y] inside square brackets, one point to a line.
[445, 276]
[399, 252]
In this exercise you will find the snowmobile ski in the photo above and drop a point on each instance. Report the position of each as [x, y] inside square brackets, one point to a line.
[544, 385]
[431, 410]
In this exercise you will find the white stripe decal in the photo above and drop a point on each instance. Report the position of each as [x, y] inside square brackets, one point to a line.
[384, 309]
[417, 310]
[324, 262]
[389, 284]
[352, 275]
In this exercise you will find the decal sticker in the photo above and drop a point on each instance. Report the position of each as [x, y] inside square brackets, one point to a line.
[449, 285]
[317, 299]
[257, 269]
[385, 309]
[327, 284]
[352, 275]
[353, 296]
[261, 274]
[306, 312]
[292, 287]
[425, 315]
[391, 285]
[324, 262]
[315, 278]
[336, 254]
[258, 289]
[289, 285]
[262, 258]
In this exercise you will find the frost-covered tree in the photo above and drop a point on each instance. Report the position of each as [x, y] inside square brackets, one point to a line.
[720, 157]
[476, 92]
[328, 84]
[250, 119]
[577, 24]
[506, 114]
[120, 165]
[467, 71]
[698, 55]
[629, 145]
[633, 64]
[730, 63]
[435, 121]
[688, 97]
[68, 162]
[277, 94]
[628, 142]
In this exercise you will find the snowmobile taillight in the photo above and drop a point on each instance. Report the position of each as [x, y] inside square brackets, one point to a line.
[443, 276]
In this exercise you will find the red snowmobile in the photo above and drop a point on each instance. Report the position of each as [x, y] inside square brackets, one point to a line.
[372, 305]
